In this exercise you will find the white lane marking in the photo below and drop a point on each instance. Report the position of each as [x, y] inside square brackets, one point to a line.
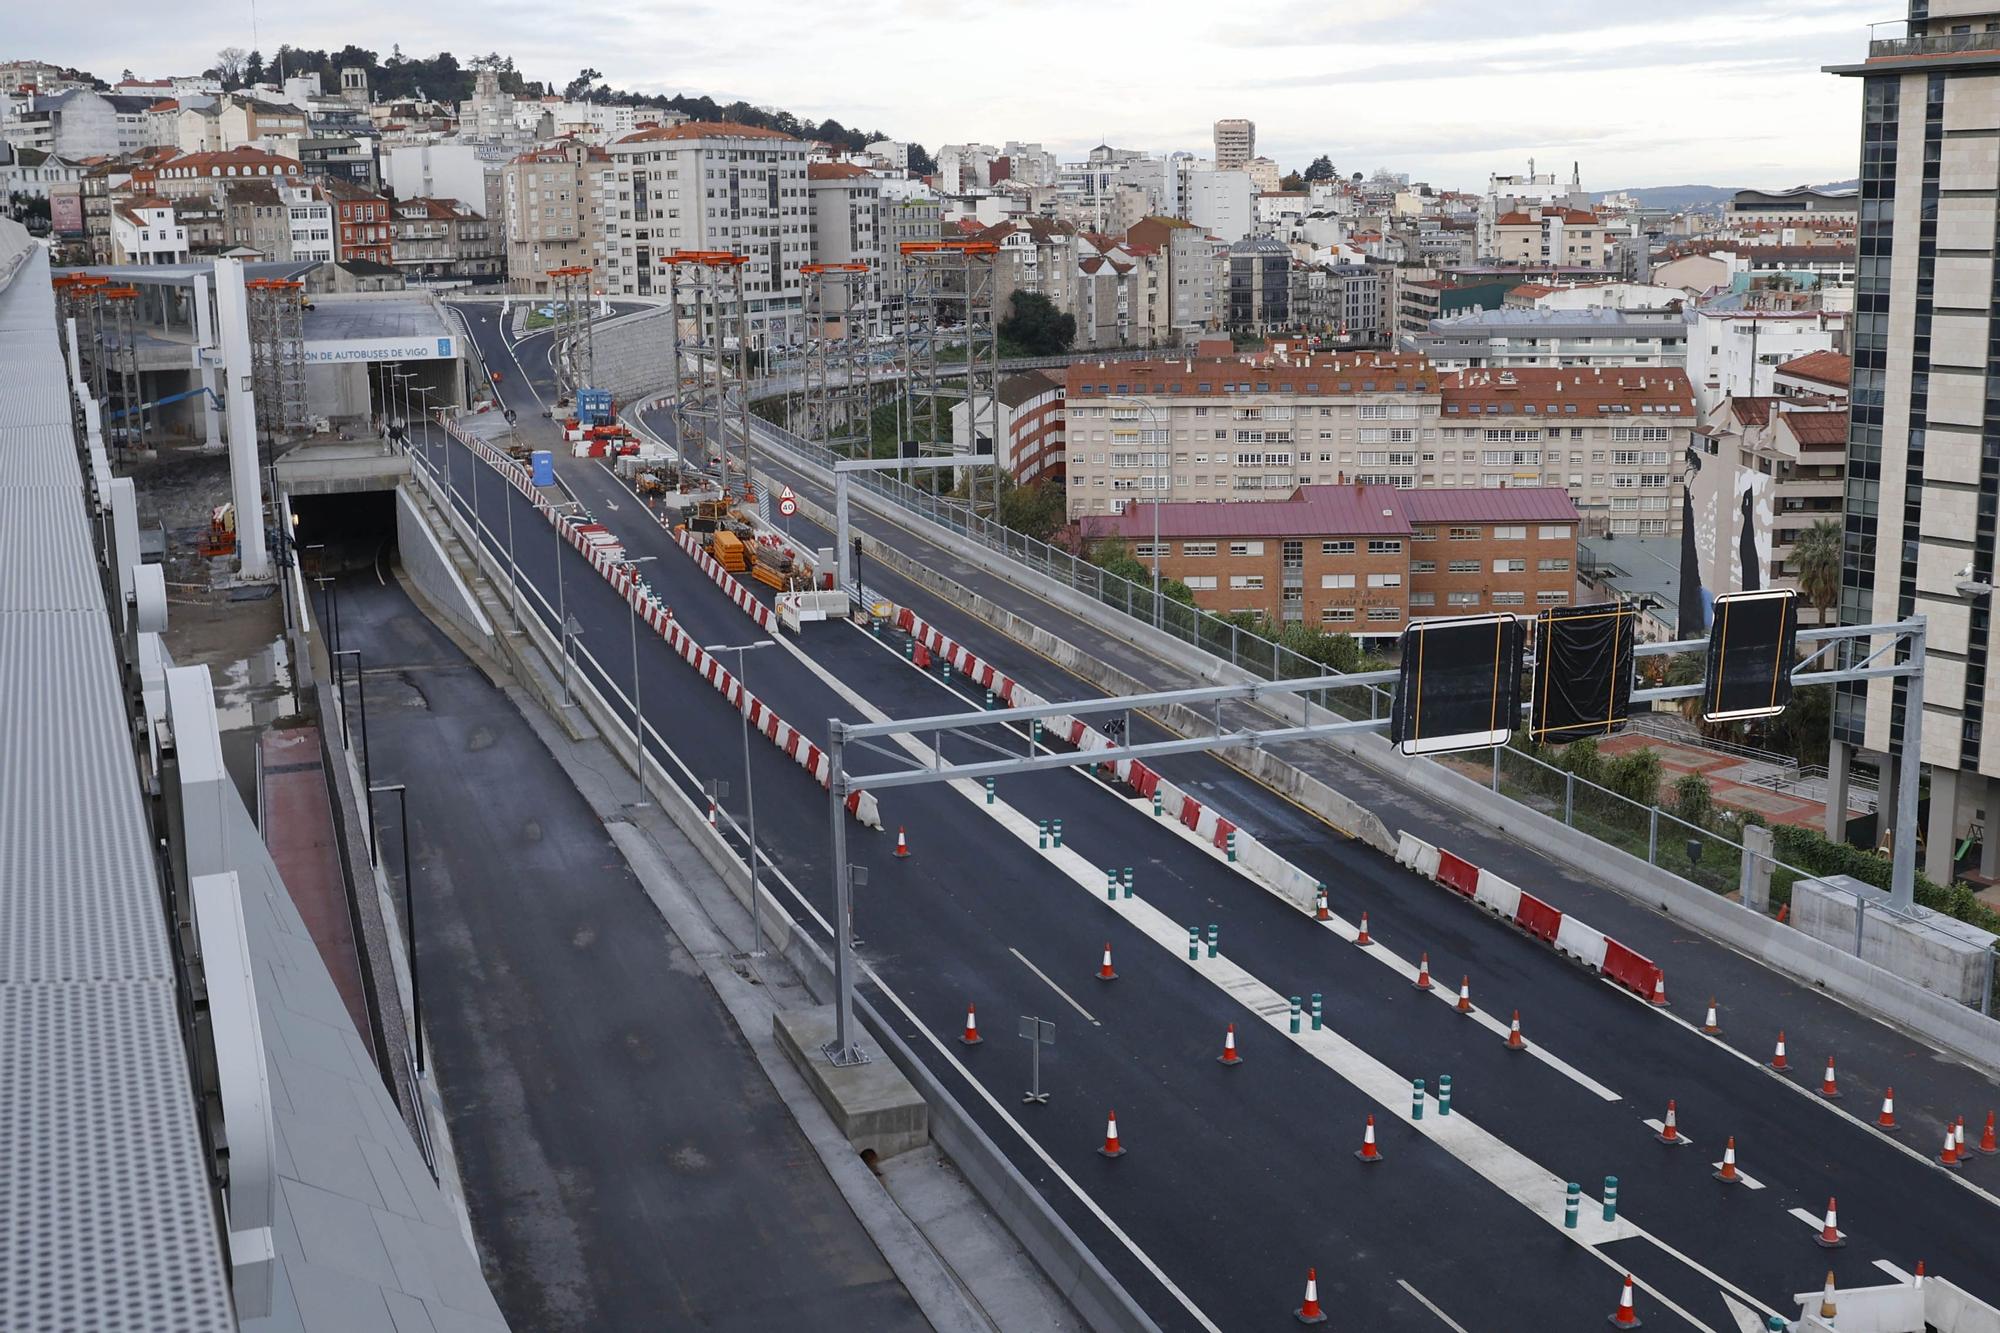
[1660, 1127]
[917, 1025]
[1431, 1305]
[1897, 1273]
[1816, 1221]
[1809, 1092]
[1052, 986]
[1338, 924]
[1747, 1319]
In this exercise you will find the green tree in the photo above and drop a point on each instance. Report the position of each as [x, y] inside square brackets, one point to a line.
[1687, 669]
[1583, 759]
[1321, 169]
[1035, 325]
[250, 70]
[580, 87]
[1635, 775]
[1815, 563]
[1693, 800]
[1293, 182]
[1036, 510]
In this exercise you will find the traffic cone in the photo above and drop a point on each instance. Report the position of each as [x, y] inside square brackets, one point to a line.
[1368, 1152]
[1962, 1153]
[1949, 1157]
[971, 1035]
[1104, 972]
[711, 812]
[1423, 981]
[1670, 1133]
[1465, 995]
[1726, 1173]
[1320, 911]
[1626, 1316]
[902, 843]
[1660, 989]
[1708, 1024]
[1361, 938]
[1310, 1313]
[1229, 1055]
[1829, 1237]
[1827, 1309]
[1829, 1087]
[1887, 1120]
[1514, 1042]
[1917, 1279]
[1778, 1060]
[1112, 1147]
[1987, 1144]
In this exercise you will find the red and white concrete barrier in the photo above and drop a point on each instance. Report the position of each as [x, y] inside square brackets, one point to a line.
[746, 601]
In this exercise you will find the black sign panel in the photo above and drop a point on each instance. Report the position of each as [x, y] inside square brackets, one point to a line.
[1583, 671]
[1752, 644]
[1459, 686]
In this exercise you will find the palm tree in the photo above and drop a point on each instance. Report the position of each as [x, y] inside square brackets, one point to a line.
[1815, 564]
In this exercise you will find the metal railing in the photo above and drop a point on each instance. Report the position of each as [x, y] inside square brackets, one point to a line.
[1935, 44]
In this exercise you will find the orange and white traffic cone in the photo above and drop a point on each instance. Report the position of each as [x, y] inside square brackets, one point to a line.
[1660, 989]
[1104, 972]
[1827, 1309]
[1829, 1237]
[1963, 1155]
[1423, 981]
[1229, 1055]
[902, 843]
[1887, 1119]
[1368, 1152]
[1626, 1316]
[1320, 910]
[1361, 936]
[1112, 1147]
[1829, 1086]
[1949, 1157]
[1917, 1278]
[971, 1035]
[711, 812]
[1514, 1042]
[1708, 1024]
[1309, 1312]
[1778, 1060]
[1726, 1173]
[1988, 1145]
[1670, 1133]
[1465, 995]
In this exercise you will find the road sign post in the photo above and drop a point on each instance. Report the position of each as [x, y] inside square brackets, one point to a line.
[1037, 1032]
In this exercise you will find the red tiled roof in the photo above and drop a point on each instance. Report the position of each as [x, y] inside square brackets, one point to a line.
[705, 129]
[1320, 375]
[1375, 511]
[1752, 411]
[836, 171]
[1588, 388]
[1821, 367]
[1817, 430]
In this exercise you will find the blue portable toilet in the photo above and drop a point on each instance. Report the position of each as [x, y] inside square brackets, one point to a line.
[542, 467]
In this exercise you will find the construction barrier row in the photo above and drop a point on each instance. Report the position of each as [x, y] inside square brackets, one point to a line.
[745, 600]
[1569, 936]
[607, 557]
[1286, 879]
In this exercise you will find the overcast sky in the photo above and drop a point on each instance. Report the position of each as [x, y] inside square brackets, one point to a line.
[1725, 92]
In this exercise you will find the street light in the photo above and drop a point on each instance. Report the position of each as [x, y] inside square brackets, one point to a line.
[409, 910]
[638, 716]
[404, 377]
[749, 786]
[1165, 454]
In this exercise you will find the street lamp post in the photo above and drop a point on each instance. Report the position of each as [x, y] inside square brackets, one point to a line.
[638, 715]
[367, 761]
[409, 911]
[749, 788]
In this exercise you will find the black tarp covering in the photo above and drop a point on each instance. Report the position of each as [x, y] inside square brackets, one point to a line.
[1583, 671]
[1459, 684]
[1751, 647]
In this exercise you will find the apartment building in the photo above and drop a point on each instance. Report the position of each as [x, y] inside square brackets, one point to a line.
[552, 205]
[1769, 468]
[1259, 286]
[1564, 237]
[847, 229]
[145, 231]
[81, 122]
[1803, 206]
[443, 238]
[711, 186]
[1734, 349]
[1517, 338]
[310, 211]
[1362, 559]
[199, 175]
[1235, 144]
[1031, 427]
[363, 222]
[1179, 300]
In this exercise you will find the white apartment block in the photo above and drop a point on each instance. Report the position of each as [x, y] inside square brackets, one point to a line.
[1735, 352]
[1028, 163]
[1222, 203]
[847, 229]
[145, 232]
[1235, 144]
[311, 214]
[1516, 194]
[710, 186]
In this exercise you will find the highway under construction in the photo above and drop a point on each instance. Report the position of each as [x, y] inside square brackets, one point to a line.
[1249, 1082]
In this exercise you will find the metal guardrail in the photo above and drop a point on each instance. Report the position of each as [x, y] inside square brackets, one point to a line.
[1935, 44]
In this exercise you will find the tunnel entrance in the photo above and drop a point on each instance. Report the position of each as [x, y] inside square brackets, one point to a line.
[345, 532]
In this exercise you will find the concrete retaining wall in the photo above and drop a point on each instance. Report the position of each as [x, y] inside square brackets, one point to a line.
[431, 570]
[635, 354]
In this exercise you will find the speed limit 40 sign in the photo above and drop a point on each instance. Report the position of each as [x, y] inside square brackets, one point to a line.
[788, 503]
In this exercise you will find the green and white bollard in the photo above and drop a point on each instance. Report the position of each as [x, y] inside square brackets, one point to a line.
[1611, 1198]
[910, 648]
[1055, 831]
[944, 668]
[1042, 834]
[1034, 731]
[1416, 1099]
[989, 701]
[1214, 939]
[1194, 943]
[1295, 1015]
[1128, 881]
[1572, 1205]
[1158, 808]
[1444, 1095]
[989, 791]
[1231, 840]
[1110, 886]
[1317, 1020]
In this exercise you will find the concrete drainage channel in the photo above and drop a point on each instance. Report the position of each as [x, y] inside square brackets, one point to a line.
[1069, 1265]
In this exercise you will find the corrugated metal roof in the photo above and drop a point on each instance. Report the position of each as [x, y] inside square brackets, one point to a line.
[41, 572]
[1510, 504]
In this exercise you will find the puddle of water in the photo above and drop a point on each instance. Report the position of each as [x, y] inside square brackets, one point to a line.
[255, 691]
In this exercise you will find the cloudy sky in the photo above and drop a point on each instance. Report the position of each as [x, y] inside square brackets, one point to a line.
[1699, 91]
